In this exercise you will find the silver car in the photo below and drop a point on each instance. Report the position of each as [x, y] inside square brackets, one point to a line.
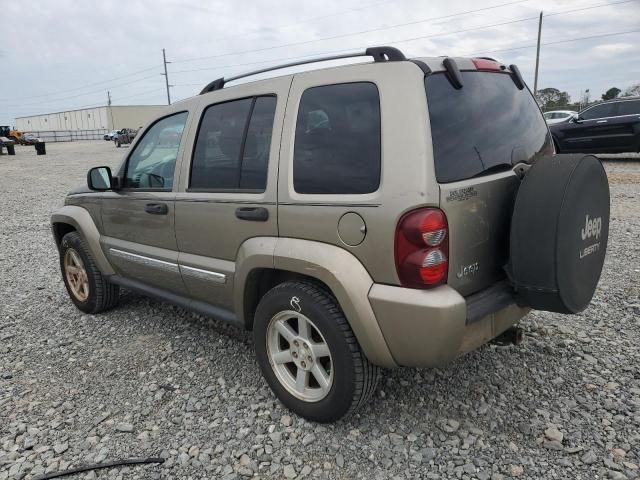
[559, 116]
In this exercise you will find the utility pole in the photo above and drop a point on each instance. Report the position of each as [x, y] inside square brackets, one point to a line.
[535, 80]
[166, 76]
[110, 110]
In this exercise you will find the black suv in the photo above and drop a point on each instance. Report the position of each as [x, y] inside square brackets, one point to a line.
[608, 127]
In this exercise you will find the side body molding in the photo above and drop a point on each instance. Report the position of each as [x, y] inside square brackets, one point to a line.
[81, 220]
[338, 269]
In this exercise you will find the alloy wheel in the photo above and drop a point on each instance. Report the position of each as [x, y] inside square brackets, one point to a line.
[299, 356]
[76, 275]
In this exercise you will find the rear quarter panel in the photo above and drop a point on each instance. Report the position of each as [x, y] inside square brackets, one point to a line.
[407, 177]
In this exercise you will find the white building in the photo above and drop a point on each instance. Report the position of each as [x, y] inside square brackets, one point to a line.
[97, 118]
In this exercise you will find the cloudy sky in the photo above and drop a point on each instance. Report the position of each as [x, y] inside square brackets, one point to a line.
[66, 54]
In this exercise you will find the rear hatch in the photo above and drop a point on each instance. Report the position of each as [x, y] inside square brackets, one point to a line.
[480, 132]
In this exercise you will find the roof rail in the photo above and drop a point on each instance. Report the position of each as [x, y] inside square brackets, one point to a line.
[379, 54]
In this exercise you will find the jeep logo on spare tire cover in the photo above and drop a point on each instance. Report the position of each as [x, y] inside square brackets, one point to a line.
[559, 233]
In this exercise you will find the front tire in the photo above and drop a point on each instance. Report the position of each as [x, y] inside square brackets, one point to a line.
[308, 353]
[87, 287]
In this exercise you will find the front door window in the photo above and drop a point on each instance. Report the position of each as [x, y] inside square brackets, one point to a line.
[152, 163]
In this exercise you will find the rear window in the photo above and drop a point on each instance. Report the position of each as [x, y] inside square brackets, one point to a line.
[486, 126]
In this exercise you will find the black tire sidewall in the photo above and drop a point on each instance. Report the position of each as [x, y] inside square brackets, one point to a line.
[323, 315]
[73, 240]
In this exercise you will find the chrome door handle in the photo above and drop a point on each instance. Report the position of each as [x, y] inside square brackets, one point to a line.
[253, 214]
[601, 121]
[156, 208]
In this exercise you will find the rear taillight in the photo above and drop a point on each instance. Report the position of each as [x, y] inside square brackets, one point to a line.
[422, 248]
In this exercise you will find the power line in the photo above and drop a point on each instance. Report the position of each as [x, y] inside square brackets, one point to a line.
[330, 52]
[335, 51]
[321, 17]
[32, 111]
[555, 43]
[351, 34]
[415, 22]
[363, 7]
[101, 91]
[552, 14]
[81, 87]
[421, 37]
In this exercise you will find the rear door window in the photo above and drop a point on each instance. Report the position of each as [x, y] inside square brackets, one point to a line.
[599, 111]
[232, 146]
[337, 144]
[488, 125]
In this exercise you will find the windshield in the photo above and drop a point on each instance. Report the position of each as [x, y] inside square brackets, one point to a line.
[485, 125]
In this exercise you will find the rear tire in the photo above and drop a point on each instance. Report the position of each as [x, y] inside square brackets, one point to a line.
[87, 287]
[349, 378]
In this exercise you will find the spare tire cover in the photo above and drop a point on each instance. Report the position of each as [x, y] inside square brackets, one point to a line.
[559, 233]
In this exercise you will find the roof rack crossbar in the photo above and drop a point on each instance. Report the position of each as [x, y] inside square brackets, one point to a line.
[379, 54]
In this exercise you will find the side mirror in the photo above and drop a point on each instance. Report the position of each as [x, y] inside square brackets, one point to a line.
[101, 180]
[577, 119]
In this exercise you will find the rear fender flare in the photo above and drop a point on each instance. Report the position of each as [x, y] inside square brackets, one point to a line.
[335, 267]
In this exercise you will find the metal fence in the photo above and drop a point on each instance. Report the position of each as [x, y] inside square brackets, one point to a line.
[69, 135]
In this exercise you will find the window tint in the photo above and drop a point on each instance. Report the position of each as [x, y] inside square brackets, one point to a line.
[599, 111]
[487, 125]
[337, 144]
[629, 107]
[152, 163]
[232, 150]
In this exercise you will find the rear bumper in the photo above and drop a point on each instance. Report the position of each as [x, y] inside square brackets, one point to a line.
[428, 328]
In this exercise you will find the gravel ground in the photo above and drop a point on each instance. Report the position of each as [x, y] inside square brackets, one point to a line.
[149, 379]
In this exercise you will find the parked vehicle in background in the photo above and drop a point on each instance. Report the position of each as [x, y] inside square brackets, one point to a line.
[346, 220]
[124, 136]
[607, 127]
[12, 134]
[30, 139]
[558, 116]
[109, 136]
[6, 142]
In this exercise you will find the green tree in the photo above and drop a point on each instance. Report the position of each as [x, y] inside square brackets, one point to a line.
[632, 91]
[612, 93]
[552, 98]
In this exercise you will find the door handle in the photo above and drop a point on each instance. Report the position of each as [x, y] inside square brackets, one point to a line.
[253, 214]
[156, 208]
[601, 121]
